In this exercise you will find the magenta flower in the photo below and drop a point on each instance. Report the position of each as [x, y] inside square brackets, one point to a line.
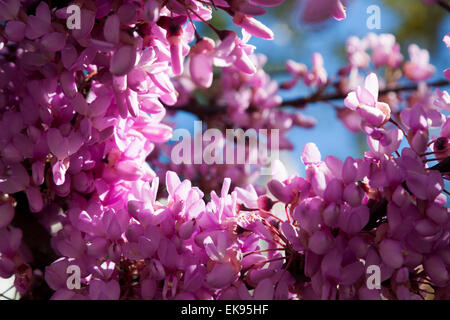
[100, 290]
[385, 50]
[123, 60]
[364, 102]
[442, 100]
[318, 11]
[201, 62]
[419, 68]
[15, 30]
[39, 24]
[6, 214]
[318, 75]
[253, 26]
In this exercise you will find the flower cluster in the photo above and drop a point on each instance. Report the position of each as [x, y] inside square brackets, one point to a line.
[347, 216]
[386, 209]
[184, 249]
[81, 110]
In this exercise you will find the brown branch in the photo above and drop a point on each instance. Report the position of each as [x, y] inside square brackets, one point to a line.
[341, 96]
[444, 4]
[204, 112]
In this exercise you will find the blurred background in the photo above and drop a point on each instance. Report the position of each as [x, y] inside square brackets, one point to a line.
[411, 21]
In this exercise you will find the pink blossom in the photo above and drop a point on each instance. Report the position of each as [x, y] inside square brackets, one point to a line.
[364, 102]
[7, 214]
[318, 11]
[385, 50]
[418, 69]
[253, 26]
[318, 75]
[201, 62]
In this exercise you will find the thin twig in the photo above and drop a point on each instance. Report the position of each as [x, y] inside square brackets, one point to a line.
[398, 126]
[212, 110]
[263, 263]
[4, 292]
[264, 250]
[341, 96]
[5, 297]
[444, 4]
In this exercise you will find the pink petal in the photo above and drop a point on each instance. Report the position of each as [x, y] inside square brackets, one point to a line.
[253, 26]
[158, 133]
[86, 22]
[79, 103]
[280, 191]
[9, 9]
[349, 170]
[371, 84]
[416, 183]
[264, 290]
[391, 253]
[351, 101]
[123, 60]
[212, 251]
[54, 41]
[447, 73]
[68, 84]
[111, 30]
[372, 115]
[339, 11]
[148, 286]
[446, 40]
[243, 62]
[6, 214]
[320, 242]
[311, 154]
[15, 30]
[57, 144]
[435, 268]
[132, 102]
[37, 169]
[172, 182]
[35, 199]
[177, 59]
[59, 173]
[221, 275]
[365, 96]
[351, 273]
[201, 70]
[100, 290]
[39, 24]
[17, 180]
[69, 55]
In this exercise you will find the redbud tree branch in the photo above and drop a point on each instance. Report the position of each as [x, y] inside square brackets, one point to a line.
[204, 112]
[341, 96]
[444, 4]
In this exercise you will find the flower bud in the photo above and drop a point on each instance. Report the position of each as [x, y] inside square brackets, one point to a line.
[265, 203]
[252, 26]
